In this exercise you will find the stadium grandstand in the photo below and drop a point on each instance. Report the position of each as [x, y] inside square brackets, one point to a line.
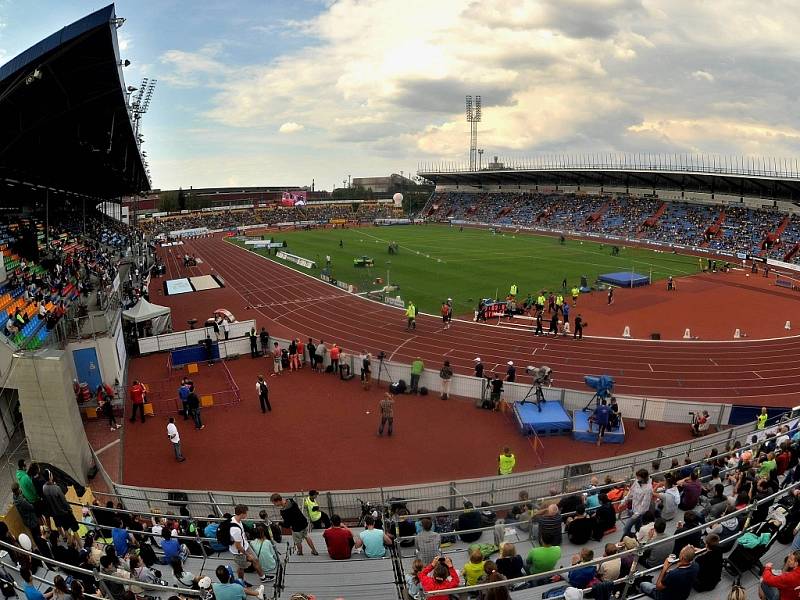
[704, 505]
[730, 206]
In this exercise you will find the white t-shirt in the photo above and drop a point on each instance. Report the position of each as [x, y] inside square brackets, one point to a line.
[172, 432]
[237, 535]
[225, 325]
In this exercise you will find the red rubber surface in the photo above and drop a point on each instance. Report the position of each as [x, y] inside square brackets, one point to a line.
[292, 304]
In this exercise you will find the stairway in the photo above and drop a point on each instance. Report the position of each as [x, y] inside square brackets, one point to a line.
[653, 219]
[598, 214]
[792, 253]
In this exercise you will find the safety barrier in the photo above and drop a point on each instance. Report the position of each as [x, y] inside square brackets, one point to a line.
[190, 337]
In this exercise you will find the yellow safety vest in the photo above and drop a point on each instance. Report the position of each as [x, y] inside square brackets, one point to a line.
[514, 290]
[559, 300]
[575, 291]
[762, 421]
[312, 508]
[540, 300]
[411, 312]
[507, 464]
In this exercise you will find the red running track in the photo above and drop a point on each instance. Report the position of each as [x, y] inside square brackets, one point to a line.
[291, 304]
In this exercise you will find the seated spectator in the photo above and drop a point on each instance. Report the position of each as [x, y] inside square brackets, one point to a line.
[413, 583]
[717, 503]
[443, 523]
[657, 549]
[726, 529]
[264, 551]
[675, 583]
[510, 563]
[691, 489]
[340, 539]
[549, 521]
[669, 499]
[439, 575]
[210, 532]
[690, 521]
[609, 570]
[580, 576]
[710, 565]
[428, 542]
[488, 516]
[469, 519]
[473, 569]
[544, 557]
[227, 590]
[374, 540]
[183, 577]
[782, 586]
[171, 547]
[605, 518]
[122, 538]
[405, 527]
[579, 528]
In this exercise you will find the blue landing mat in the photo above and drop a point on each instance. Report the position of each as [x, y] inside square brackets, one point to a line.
[552, 420]
[627, 279]
[580, 430]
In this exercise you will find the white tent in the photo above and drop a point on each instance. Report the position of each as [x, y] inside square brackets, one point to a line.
[161, 316]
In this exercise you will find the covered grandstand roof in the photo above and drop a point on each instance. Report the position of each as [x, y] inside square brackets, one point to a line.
[767, 180]
[64, 120]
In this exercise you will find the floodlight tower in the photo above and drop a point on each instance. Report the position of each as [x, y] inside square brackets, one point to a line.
[473, 113]
[141, 102]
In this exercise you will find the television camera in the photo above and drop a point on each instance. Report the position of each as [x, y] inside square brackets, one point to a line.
[541, 376]
[602, 385]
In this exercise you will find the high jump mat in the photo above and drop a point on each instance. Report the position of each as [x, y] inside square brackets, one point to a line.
[627, 279]
[551, 420]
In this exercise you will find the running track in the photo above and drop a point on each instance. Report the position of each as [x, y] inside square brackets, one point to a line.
[290, 303]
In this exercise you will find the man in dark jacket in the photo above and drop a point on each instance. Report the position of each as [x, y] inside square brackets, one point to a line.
[293, 518]
[469, 519]
[58, 506]
[25, 509]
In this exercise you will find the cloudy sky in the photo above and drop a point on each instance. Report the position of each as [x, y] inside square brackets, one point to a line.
[279, 92]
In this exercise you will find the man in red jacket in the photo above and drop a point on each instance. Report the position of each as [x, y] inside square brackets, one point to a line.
[137, 398]
[781, 587]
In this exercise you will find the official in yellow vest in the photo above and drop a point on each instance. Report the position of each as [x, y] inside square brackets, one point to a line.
[506, 462]
[514, 289]
[761, 419]
[575, 293]
[411, 316]
[316, 517]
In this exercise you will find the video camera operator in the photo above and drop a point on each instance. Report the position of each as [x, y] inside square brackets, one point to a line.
[700, 422]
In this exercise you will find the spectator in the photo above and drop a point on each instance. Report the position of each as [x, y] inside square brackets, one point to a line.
[293, 519]
[439, 575]
[175, 439]
[374, 540]
[58, 507]
[691, 489]
[581, 574]
[225, 590]
[640, 497]
[549, 521]
[340, 540]
[605, 517]
[580, 527]
[709, 565]
[510, 564]
[427, 541]
[669, 499]
[675, 584]
[413, 583]
[610, 569]
[31, 591]
[469, 519]
[264, 551]
[544, 557]
[657, 549]
[782, 586]
[243, 556]
[690, 521]
[183, 577]
[446, 376]
[137, 392]
[473, 569]
[263, 338]
[172, 548]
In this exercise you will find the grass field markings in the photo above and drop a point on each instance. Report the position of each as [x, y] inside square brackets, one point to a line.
[376, 238]
[411, 339]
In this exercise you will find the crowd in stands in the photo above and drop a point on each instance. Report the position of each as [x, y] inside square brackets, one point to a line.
[226, 219]
[71, 267]
[731, 229]
[630, 525]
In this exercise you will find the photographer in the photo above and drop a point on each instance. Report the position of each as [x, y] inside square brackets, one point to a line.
[700, 423]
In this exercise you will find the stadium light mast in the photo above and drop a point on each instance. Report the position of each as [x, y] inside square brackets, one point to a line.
[473, 114]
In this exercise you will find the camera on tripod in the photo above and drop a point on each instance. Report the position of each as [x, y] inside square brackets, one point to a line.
[541, 375]
[381, 355]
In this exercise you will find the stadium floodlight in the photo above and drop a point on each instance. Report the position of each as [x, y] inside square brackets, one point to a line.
[124, 63]
[473, 114]
[118, 22]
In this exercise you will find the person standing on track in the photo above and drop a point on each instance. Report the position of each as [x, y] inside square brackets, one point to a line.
[539, 330]
[446, 375]
[138, 391]
[554, 323]
[417, 368]
[511, 372]
[312, 354]
[578, 328]
[335, 352]
[565, 312]
[226, 328]
[506, 462]
[263, 337]
[262, 389]
[551, 303]
[253, 343]
[446, 313]
[386, 409]
[366, 370]
[670, 284]
[575, 293]
[277, 355]
[411, 316]
[610, 296]
[478, 367]
[175, 439]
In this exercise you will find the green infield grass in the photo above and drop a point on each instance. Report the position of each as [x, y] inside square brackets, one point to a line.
[435, 262]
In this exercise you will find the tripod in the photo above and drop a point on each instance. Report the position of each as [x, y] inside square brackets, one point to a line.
[382, 368]
[597, 398]
[538, 395]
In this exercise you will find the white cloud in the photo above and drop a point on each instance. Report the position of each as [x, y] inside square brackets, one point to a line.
[123, 41]
[701, 75]
[290, 127]
[555, 75]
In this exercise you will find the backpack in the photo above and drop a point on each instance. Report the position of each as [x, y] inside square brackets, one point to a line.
[224, 533]
[556, 592]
